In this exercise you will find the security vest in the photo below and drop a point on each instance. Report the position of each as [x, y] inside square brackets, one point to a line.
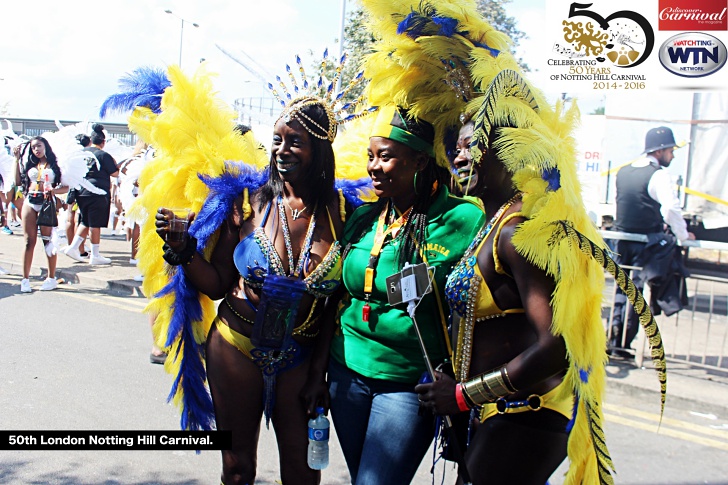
[637, 212]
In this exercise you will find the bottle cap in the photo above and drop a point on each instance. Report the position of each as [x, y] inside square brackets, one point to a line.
[320, 410]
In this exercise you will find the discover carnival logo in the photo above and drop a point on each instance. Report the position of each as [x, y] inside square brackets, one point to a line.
[692, 54]
[693, 15]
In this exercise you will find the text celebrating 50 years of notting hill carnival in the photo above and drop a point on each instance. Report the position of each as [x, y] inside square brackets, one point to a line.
[623, 45]
[115, 440]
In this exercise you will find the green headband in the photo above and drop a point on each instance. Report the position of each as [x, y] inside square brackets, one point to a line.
[390, 123]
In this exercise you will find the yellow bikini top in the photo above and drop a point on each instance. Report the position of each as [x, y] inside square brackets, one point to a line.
[485, 306]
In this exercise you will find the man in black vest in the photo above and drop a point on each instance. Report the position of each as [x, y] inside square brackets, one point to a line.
[646, 202]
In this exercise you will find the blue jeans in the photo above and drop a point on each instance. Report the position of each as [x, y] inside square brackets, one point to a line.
[381, 434]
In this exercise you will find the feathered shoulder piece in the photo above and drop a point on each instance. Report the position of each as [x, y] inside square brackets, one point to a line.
[195, 145]
[350, 151]
[73, 161]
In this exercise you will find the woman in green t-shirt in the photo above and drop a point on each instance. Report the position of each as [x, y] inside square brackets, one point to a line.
[376, 358]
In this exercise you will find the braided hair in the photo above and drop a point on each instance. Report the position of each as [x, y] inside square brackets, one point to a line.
[414, 232]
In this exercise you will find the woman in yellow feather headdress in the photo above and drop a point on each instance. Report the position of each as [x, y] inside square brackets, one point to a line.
[508, 359]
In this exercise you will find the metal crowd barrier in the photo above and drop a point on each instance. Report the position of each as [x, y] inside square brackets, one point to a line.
[698, 334]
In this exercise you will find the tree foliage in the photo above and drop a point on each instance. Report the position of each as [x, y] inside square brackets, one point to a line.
[358, 40]
[495, 13]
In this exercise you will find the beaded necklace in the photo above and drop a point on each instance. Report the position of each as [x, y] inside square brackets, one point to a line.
[293, 268]
[379, 239]
[461, 291]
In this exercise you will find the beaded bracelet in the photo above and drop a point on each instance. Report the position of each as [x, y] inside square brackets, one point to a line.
[460, 398]
[183, 257]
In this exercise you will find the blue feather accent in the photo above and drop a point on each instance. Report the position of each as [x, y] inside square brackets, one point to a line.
[412, 25]
[197, 409]
[553, 177]
[236, 177]
[142, 87]
[482, 45]
[353, 189]
[584, 375]
[571, 422]
[448, 25]
[426, 22]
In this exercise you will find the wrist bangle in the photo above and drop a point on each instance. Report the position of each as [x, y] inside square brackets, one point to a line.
[507, 380]
[460, 398]
[183, 257]
[487, 388]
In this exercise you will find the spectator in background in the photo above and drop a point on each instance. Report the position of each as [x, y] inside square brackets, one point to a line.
[37, 164]
[127, 192]
[72, 210]
[4, 200]
[646, 202]
[94, 208]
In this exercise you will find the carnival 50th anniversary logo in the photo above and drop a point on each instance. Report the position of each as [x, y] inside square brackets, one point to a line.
[623, 38]
[692, 54]
[693, 15]
[602, 44]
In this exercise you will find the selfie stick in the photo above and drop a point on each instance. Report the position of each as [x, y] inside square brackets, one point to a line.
[460, 457]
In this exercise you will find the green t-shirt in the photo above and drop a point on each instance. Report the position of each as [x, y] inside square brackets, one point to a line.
[386, 347]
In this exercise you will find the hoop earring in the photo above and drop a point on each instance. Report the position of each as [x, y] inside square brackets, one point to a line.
[416, 173]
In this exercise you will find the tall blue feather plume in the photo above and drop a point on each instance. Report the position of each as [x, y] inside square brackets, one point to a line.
[142, 87]
[197, 408]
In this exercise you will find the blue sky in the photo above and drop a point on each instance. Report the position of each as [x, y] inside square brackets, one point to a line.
[61, 59]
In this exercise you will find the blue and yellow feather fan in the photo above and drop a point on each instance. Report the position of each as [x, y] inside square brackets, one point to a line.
[195, 146]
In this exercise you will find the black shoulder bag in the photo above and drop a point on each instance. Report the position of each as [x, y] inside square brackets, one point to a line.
[47, 215]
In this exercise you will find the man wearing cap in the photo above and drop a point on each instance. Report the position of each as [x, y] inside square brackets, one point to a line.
[646, 202]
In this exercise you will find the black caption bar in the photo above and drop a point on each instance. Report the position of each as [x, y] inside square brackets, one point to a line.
[115, 440]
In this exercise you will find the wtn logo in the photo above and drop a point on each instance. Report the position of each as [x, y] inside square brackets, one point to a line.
[692, 54]
[700, 55]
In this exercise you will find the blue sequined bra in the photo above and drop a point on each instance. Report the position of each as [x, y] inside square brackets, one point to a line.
[251, 257]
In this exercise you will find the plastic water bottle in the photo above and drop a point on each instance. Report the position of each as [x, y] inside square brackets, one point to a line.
[318, 441]
[47, 186]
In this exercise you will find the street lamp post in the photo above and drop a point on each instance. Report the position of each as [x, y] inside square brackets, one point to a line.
[181, 32]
